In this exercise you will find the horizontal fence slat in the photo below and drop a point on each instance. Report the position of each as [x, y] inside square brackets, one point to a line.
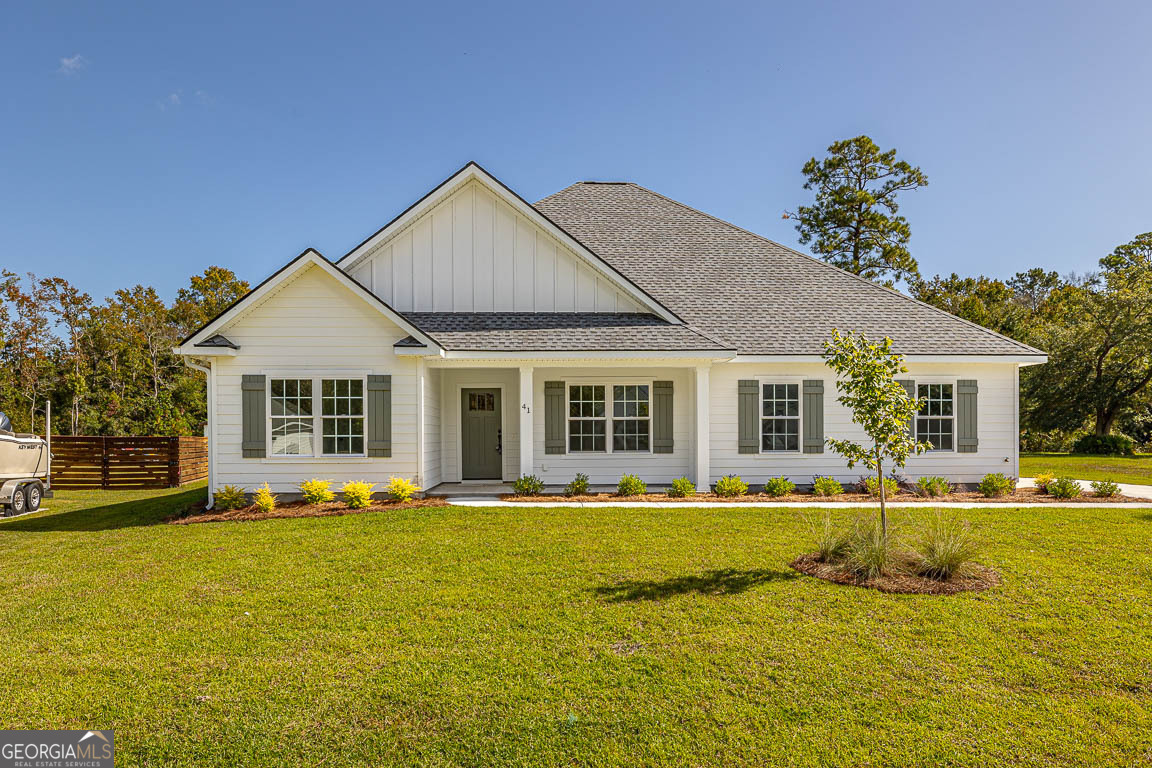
[112, 462]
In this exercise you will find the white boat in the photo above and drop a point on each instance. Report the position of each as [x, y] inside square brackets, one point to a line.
[24, 464]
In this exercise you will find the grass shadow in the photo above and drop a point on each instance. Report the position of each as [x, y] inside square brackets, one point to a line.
[102, 517]
[722, 581]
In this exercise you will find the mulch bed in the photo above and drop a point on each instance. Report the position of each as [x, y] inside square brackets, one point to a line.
[197, 514]
[979, 578]
[1019, 496]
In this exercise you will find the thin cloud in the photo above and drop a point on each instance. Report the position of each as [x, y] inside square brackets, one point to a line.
[171, 101]
[70, 65]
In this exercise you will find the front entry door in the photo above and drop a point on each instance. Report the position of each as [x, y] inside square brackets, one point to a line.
[480, 434]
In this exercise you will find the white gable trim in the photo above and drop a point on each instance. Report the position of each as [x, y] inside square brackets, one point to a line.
[307, 259]
[471, 172]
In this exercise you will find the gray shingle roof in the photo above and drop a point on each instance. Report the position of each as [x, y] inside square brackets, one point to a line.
[546, 331]
[749, 292]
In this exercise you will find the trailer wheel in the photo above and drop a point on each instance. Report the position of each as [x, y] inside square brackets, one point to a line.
[34, 494]
[18, 501]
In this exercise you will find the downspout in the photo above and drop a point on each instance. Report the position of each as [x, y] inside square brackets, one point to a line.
[206, 367]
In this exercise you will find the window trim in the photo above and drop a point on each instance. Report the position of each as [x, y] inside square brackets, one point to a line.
[799, 382]
[317, 377]
[926, 380]
[609, 418]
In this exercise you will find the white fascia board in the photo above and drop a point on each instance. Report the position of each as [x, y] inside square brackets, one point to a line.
[1017, 359]
[581, 355]
[475, 172]
[204, 351]
[308, 258]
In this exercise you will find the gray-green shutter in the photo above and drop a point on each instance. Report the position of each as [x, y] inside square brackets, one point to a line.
[554, 440]
[254, 441]
[749, 416]
[910, 387]
[814, 416]
[966, 439]
[379, 415]
[661, 417]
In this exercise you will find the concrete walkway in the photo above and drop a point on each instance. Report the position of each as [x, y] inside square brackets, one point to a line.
[1128, 489]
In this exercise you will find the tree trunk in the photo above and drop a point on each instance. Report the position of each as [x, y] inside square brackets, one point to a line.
[883, 510]
[1105, 418]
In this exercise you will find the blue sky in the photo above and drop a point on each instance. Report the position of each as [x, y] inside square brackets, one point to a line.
[144, 142]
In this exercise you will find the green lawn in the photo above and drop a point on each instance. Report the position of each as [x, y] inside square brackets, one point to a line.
[1136, 469]
[453, 636]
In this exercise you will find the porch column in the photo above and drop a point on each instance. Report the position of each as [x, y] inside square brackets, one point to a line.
[527, 392]
[703, 430]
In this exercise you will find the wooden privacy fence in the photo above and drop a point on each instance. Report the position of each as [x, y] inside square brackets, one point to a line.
[127, 462]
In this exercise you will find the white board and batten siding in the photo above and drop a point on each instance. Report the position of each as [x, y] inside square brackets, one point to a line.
[996, 413]
[311, 324]
[473, 253]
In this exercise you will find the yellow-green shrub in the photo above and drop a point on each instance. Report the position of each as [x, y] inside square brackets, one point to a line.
[400, 489]
[264, 499]
[731, 485]
[1042, 480]
[316, 491]
[358, 493]
[229, 497]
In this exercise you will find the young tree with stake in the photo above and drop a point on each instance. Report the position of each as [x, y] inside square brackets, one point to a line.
[866, 379]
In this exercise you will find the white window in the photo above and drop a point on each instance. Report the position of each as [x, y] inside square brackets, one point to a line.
[780, 418]
[628, 421]
[935, 423]
[630, 417]
[295, 416]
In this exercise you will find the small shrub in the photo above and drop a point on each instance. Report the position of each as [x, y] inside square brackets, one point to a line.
[826, 486]
[527, 485]
[1042, 480]
[316, 491]
[230, 497]
[872, 487]
[996, 484]
[264, 500]
[630, 485]
[1104, 445]
[400, 489]
[578, 486]
[779, 486]
[681, 488]
[1105, 488]
[946, 548]
[831, 539]
[869, 551]
[1064, 488]
[932, 487]
[358, 494]
[731, 485]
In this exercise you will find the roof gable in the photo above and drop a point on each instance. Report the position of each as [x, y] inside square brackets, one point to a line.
[472, 244]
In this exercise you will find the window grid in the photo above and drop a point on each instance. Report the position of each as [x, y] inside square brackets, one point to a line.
[935, 422]
[780, 417]
[587, 420]
[630, 417]
[291, 412]
[343, 412]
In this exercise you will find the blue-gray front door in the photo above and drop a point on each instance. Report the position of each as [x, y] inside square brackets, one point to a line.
[480, 434]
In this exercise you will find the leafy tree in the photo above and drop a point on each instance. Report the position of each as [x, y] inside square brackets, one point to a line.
[866, 379]
[29, 346]
[206, 296]
[1032, 288]
[71, 308]
[854, 222]
[982, 300]
[1098, 335]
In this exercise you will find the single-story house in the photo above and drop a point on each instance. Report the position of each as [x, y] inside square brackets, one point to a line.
[605, 329]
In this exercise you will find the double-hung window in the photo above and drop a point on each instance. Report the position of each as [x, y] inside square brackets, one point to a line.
[935, 423]
[302, 408]
[591, 420]
[780, 418]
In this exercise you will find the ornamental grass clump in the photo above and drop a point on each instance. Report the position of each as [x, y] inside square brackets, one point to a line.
[1105, 489]
[358, 494]
[779, 486]
[826, 486]
[731, 486]
[869, 549]
[830, 538]
[230, 497]
[264, 500]
[316, 491]
[1064, 488]
[945, 548]
[400, 489]
[681, 488]
[578, 486]
[631, 485]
